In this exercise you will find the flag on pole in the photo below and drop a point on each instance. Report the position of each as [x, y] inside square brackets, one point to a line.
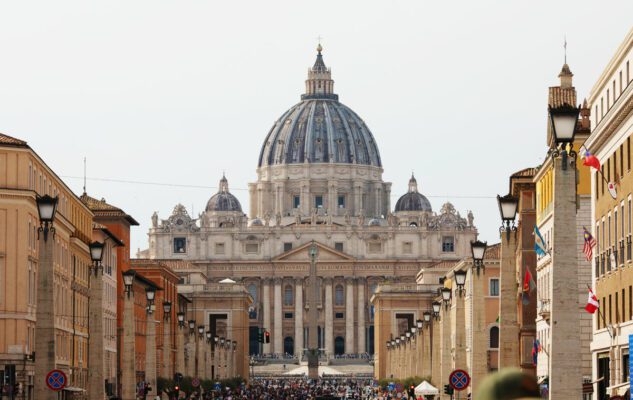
[592, 303]
[535, 350]
[590, 242]
[539, 242]
[528, 286]
[591, 161]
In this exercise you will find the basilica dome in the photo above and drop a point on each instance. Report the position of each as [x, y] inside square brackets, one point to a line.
[319, 129]
[223, 200]
[413, 200]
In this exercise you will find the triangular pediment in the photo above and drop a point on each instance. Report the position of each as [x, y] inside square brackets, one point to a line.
[301, 253]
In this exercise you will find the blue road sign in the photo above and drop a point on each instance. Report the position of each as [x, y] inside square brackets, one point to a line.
[459, 379]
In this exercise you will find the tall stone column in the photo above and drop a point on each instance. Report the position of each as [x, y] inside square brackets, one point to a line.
[96, 387]
[298, 316]
[349, 316]
[564, 358]
[479, 336]
[436, 368]
[278, 331]
[427, 367]
[458, 327]
[191, 355]
[128, 373]
[508, 324]
[266, 311]
[166, 362]
[150, 354]
[361, 316]
[329, 318]
[445, 344]
[180, 351]
[45, 323]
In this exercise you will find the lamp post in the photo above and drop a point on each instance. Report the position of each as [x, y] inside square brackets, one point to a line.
[180, 346]
[460, 280]
[436, 309]
[478, 249]
[447, 294]
[128, 373]
[96, 386]
[564, 357]
[214, 356]
[150, 342]
[45, 312]
[200, 361]
[166, 372]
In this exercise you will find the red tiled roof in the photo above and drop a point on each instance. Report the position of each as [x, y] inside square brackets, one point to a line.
[11, 141]
[525, 173]
[559, 96]
[493, 252]
[101, 208]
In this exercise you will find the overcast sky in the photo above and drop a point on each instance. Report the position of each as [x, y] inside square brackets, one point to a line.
[175, 92]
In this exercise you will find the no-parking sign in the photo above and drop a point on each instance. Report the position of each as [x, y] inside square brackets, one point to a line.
[459, 379]
[56, 380]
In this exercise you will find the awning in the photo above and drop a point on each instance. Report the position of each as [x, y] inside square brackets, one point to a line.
[620, 389]
[426, 388]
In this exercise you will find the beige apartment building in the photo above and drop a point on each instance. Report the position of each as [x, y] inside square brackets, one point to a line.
[611, 100]
[24, 176]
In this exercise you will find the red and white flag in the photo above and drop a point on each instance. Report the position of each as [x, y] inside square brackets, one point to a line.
[592, 303]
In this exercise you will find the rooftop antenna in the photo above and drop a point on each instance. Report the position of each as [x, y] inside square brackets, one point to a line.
[565, 47]
[84, 174]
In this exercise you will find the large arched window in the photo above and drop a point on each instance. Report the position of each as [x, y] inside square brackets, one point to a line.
[339, 295]
[252, 289]
[494, 337]
[288, 295]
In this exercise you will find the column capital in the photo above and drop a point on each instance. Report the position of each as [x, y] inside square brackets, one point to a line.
[299, 280]
[267, 280]
[328, 280]
[277, 280]
[350, 280]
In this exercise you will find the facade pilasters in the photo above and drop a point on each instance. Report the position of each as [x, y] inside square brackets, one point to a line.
[508, 324]
[278, 326]
[298, 316]
[349, 316]
[266, 311]
[361, 315]
[150, 355]
[45, 314]
[96, 386]
[445, 343]
[479, 336]
[329, 318]
[128, 373]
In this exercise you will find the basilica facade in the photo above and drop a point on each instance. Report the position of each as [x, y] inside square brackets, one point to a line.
[319, 178]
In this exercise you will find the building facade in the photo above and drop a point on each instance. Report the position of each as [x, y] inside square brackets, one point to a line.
[611, 101]
[23, 177]
[319, 177]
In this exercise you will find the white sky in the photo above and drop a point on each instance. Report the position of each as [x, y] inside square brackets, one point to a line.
[177, 91]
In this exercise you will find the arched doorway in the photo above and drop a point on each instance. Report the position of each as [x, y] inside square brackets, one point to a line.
[339, 346]
[289, 345]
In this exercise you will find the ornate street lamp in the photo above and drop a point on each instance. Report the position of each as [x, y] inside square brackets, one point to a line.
[150, 294]
[167, 310]
[192, 326]
[427, 318]
[447, 293]
[478, 249]
[181, 319]
[128, 280]
[402, 337]
[460, 280]
[393, 343]
[398, 341]
[419, 324]
[201, 331]
[436, 309]
[388, 345]
[563, 121]
[96, 255]
[508, 206]
[46, 208]
[208, 335]
[234, 346]
[222, 340]
[407, 334]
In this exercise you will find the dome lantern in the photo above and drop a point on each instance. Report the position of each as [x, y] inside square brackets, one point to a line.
[223, 200]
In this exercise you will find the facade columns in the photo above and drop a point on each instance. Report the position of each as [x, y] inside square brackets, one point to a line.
[150, 354]
[166, 371]
[565, 360]
[434, 353]
[508, 324]
[458, 324]
[180, 351]
[425, 361]
[361, 316]
[278, 330]
[445, 344]
[128, 373]
[96, 386]
[349, 316]
[265, 311]
[329, 318]
[45, 324]
[191, 355]
[299, 317]
[479, 331]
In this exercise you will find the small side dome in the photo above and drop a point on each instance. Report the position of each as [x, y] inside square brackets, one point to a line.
[256, 222]
[413, 200]
[374, 222]
[223, 200]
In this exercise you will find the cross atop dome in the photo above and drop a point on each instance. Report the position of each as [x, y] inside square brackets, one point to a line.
[413, 184]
